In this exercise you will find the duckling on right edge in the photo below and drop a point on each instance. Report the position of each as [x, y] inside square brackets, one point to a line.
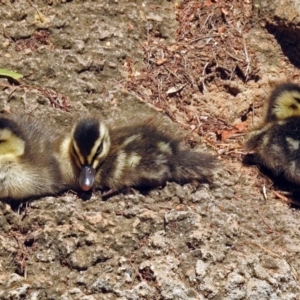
[276, 143]
[284, 102]
[136, 155]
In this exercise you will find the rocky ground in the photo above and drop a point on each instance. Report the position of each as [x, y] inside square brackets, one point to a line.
[237, 238]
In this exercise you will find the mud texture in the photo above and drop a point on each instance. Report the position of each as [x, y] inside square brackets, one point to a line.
[226, 240]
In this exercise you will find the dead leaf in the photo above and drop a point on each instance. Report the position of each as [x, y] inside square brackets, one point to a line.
[224, 11]
[221, 29]
[130, 27]
[240, 126]
[161, 61]
[173, 48]
[226, 134]
[208, 3]
[175, 89]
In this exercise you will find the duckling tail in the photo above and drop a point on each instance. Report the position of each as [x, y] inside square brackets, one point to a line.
[189, 166]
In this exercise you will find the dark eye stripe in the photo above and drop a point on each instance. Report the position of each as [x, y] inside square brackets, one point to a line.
[99, 149]
[98, 152]
[75, 156]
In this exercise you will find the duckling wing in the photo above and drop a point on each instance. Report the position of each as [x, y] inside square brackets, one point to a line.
[138, 163]
[144, 156]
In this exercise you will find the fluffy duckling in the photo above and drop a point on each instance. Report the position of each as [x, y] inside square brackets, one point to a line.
[284, 102]
[27, 166]
[277, 146]
[276, 142]
[137, 155]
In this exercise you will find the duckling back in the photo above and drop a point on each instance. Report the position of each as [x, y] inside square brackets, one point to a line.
[27, 165]
[145, 156]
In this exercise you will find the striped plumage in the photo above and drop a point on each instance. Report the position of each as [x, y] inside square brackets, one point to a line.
[276, 141]
[139, 155]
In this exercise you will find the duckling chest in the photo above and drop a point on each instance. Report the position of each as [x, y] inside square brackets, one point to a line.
[15, 177]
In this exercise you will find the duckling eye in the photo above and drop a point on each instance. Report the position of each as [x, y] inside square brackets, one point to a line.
[99, 149]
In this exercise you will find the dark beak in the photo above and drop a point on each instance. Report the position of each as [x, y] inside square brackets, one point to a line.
[87, 178]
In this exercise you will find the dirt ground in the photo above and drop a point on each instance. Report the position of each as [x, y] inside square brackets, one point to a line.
[206, 67]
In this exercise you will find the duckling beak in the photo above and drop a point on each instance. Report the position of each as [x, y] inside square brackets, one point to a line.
[87, 178]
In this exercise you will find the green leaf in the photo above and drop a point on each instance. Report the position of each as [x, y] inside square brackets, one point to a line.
[13, 75]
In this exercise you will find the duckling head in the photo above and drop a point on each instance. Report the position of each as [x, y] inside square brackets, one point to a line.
[284, 102]
[12, 143]
[91, 144]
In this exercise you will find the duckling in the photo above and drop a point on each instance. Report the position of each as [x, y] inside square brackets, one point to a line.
[276, 142]
[284, 102]
[277, 146]
[27, 166]
[136, 155]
